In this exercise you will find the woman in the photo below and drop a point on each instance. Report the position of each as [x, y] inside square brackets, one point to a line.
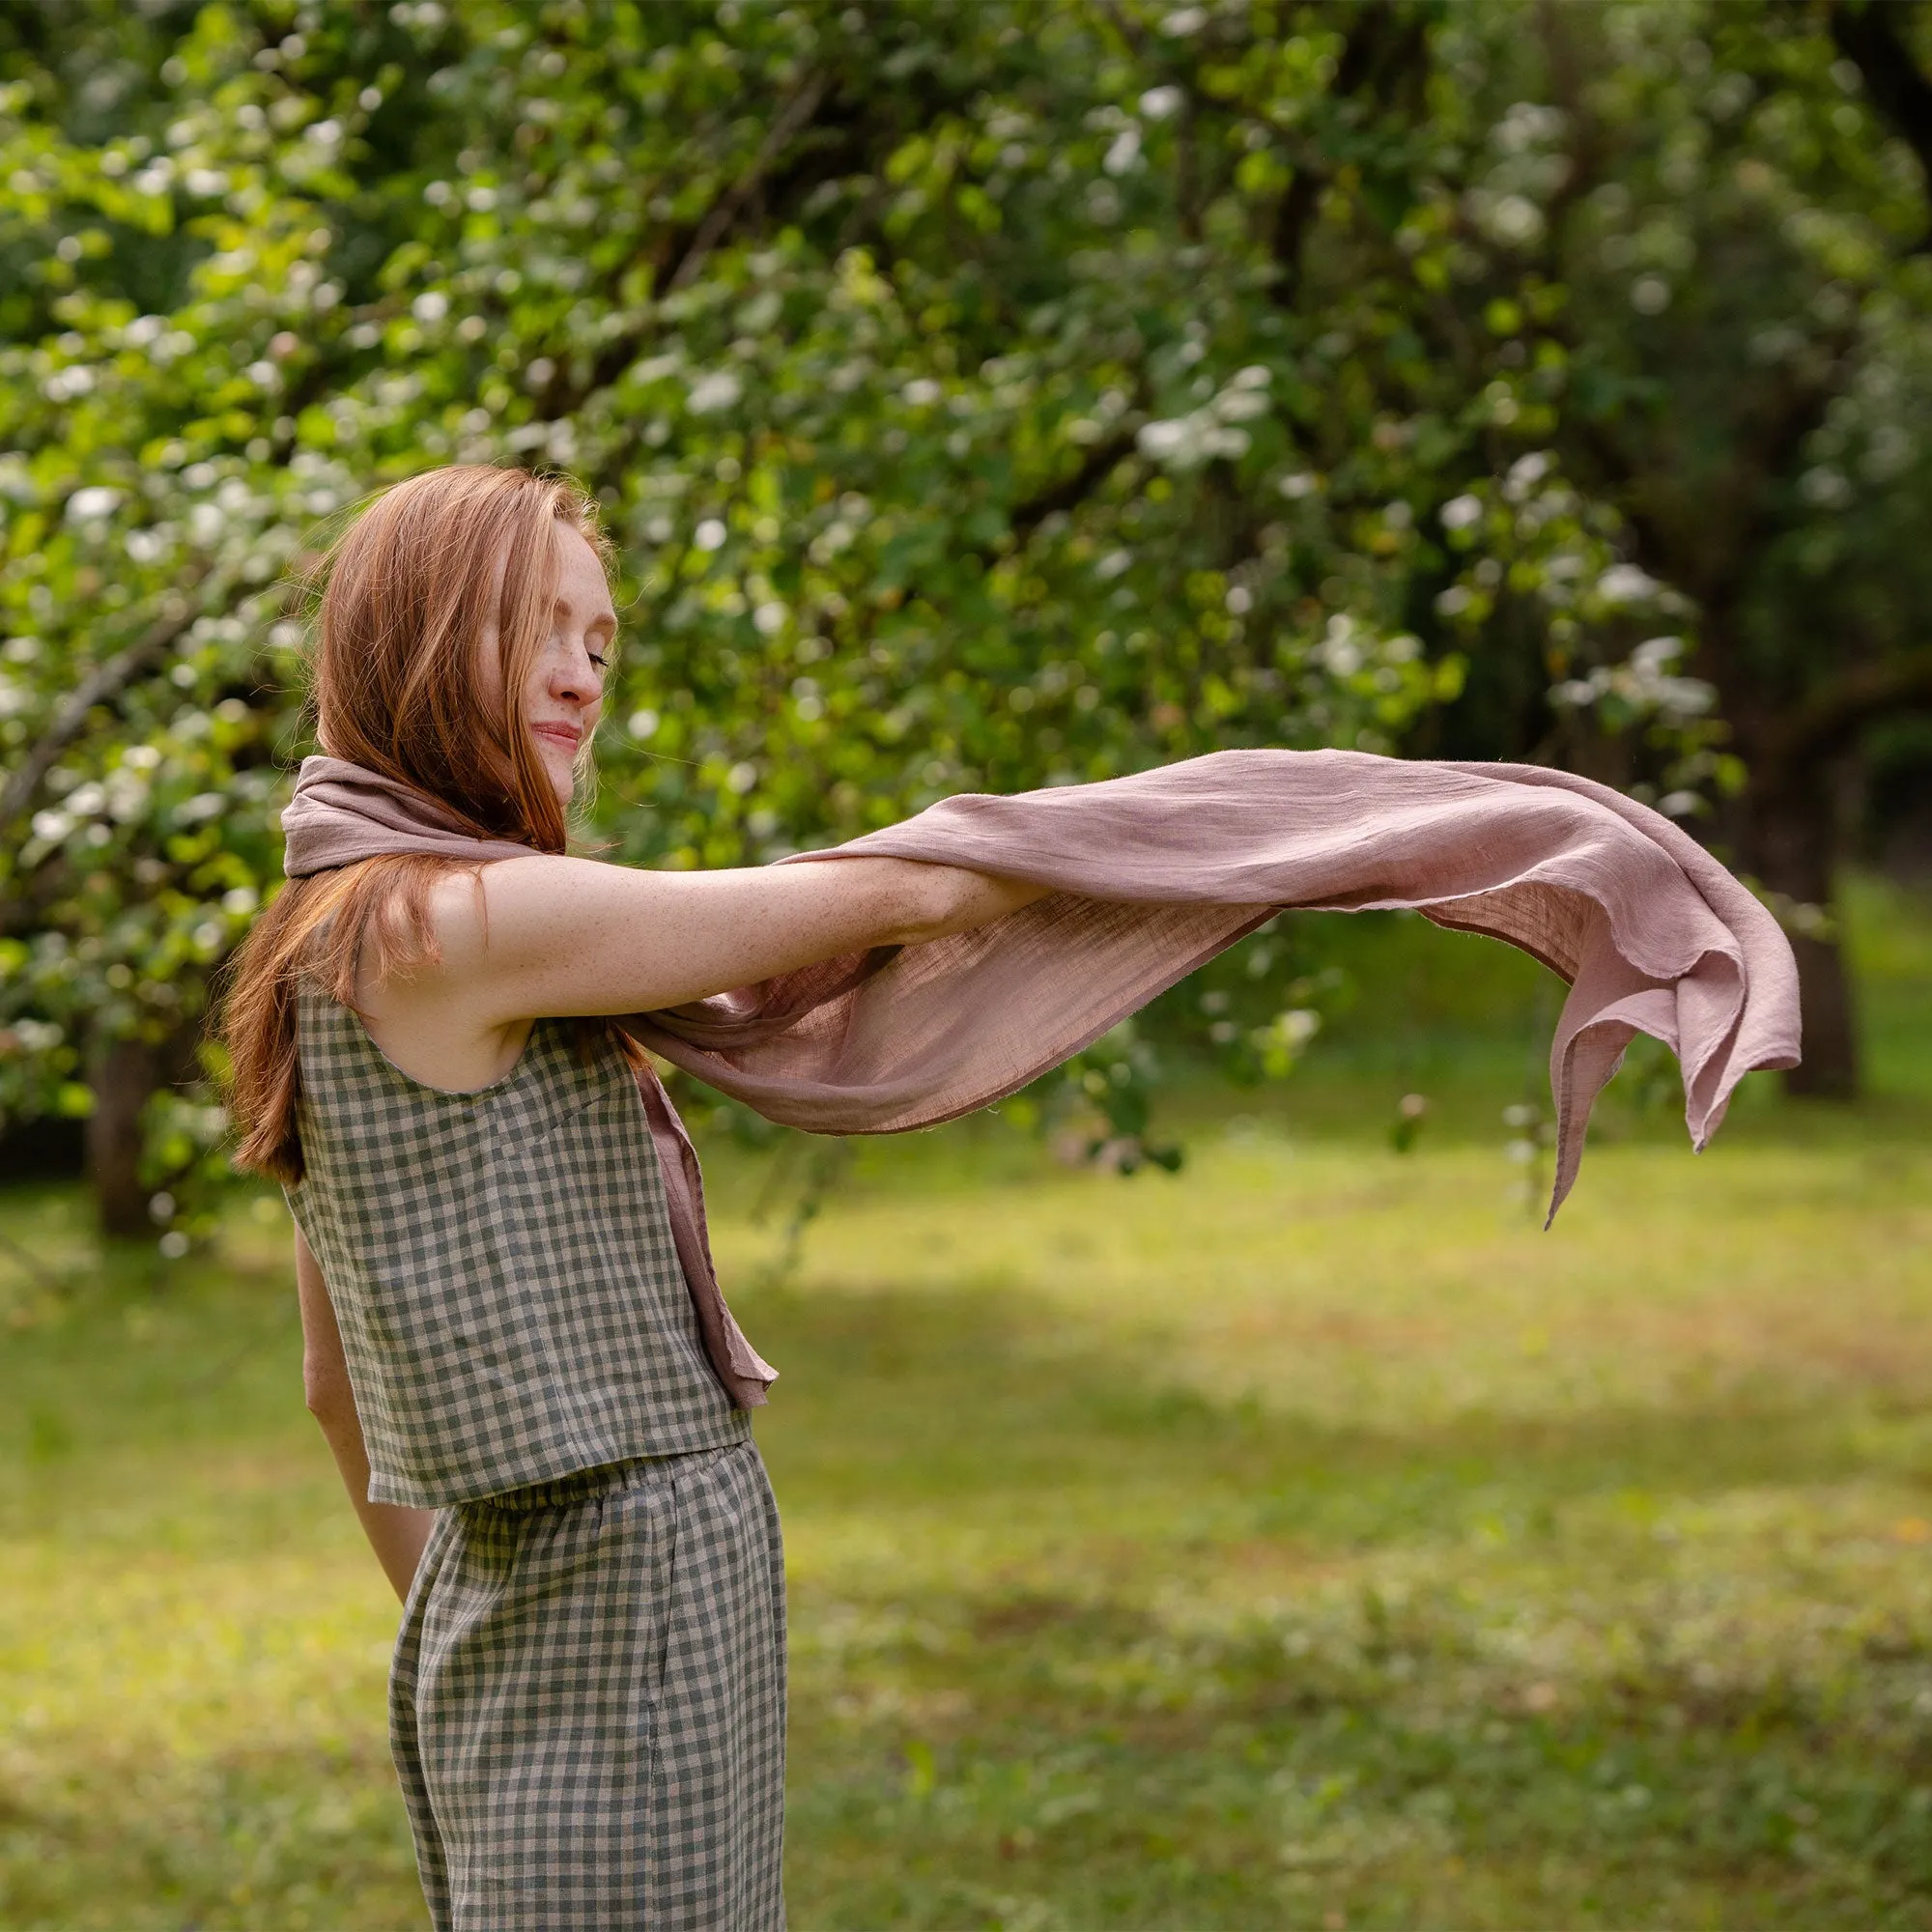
[514, 1341]
[587, 1701]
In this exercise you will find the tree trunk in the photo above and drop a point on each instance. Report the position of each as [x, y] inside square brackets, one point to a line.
[1830, 1068]
[1791, 830]
[126, 1074]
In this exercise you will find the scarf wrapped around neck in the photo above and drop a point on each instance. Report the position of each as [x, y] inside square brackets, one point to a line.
[1150, 876]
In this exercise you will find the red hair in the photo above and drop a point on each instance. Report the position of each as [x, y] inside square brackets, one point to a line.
[410, 593]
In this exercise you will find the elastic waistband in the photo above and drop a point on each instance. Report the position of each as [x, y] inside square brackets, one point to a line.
[582, 1485]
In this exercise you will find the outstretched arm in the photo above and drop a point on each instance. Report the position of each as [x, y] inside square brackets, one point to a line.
[559, 936]
[396, 1535]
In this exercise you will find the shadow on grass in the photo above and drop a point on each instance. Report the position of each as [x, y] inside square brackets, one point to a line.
[978, 1400]
[1475, 1687]
[288, 1838]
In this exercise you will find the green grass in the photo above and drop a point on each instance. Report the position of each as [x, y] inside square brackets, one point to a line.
[1304, 1542]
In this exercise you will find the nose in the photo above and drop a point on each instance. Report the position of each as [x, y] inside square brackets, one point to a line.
[573, 678]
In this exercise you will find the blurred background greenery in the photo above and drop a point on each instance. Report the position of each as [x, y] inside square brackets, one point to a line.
[980, 395]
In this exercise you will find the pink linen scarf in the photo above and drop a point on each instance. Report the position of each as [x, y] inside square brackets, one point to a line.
[1151, 875]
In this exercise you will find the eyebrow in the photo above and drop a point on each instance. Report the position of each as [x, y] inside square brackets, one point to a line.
[563, 604]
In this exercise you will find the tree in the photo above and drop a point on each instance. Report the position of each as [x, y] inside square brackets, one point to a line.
[980, 395]
[1734, 201]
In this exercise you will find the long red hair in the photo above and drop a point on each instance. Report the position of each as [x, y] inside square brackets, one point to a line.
[408, 594]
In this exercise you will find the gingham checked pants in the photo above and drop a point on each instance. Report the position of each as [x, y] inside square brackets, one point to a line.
[587, 1703]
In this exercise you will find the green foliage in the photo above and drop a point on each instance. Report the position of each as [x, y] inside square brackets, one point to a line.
[980, 395]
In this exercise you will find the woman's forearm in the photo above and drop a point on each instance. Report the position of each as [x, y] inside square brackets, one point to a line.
[397, 1535]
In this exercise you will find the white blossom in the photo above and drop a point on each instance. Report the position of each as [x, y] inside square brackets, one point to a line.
[1185, 442]
[1525, 474]
[1339, 652]
[712, 393]
[1239, 405]
[1125, 152]
[1824, 487]
[1645, 683]
[1514, 219]
[1626, 583]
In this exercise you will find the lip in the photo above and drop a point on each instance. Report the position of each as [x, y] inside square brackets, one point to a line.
[564, 735]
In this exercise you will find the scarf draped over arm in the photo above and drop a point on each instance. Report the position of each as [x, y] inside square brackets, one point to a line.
[1152, 876]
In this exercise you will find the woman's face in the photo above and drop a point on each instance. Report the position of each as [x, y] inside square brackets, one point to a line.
[563, 692]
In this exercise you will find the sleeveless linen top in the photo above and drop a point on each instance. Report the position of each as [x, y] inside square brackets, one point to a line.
[501, 1264]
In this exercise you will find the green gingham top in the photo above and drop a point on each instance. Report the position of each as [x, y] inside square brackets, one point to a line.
[501, 1264]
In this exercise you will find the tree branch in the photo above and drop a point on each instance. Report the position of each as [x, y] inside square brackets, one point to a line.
[1292, 218]
[1826, 719]
[1095, 468]
[1375, 55]
[690, 254]
[789, 121]
[106, 681]
[1587, 156]
[1865, 32]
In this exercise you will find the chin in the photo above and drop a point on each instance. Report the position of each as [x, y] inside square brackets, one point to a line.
[563, 776]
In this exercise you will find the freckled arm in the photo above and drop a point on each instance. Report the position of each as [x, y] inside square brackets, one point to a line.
[397, 1535]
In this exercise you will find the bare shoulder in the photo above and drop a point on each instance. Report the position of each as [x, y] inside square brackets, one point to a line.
[465, 905]
[485, 919]
[435, 1018]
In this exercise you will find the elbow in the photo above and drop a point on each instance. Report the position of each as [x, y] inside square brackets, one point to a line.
[929, 902]
[326, 1394]
[951, 899]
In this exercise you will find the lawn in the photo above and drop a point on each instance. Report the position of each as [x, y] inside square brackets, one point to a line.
[1305, 1541]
